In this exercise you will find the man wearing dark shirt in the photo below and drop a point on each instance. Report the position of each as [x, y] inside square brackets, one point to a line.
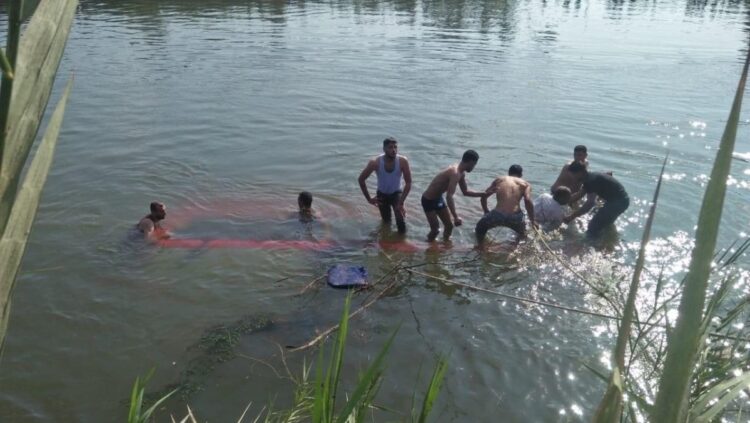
[606, 187]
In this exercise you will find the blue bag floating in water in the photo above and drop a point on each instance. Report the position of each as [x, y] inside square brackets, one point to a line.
[342, 276]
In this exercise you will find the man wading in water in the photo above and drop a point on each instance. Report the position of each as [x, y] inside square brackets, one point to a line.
[616, 200]
[389, 167]
[432, 200]
[509, 191]
[150, 226]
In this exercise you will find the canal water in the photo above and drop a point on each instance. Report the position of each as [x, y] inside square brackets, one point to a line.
[225, 110]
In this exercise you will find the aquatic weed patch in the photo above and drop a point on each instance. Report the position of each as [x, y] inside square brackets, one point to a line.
[217, 345]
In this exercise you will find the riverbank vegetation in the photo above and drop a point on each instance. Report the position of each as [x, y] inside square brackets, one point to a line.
[318, 396]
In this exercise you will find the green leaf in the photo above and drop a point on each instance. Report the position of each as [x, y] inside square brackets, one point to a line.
[39, 53]
[724, 393]
[684, 344]
[334, 371]
[13, 241]
[147, 414]
[29, 6]
[371, 376]
[136, 397]
[433, 389]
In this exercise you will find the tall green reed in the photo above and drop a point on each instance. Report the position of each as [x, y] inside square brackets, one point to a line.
[29, 66]
[687, 389]
[685, 340]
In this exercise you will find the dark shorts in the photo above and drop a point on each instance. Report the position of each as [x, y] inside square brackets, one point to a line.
[433, 205]
[495, 218]
[388, 202]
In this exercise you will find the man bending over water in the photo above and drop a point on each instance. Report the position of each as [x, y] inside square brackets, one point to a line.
[566, 178]
[603, 185]
[150, 226]
[432, 200]
[548, 209]
[509, 191]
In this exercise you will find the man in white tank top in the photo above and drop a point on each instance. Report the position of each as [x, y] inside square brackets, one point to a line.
[390, 168]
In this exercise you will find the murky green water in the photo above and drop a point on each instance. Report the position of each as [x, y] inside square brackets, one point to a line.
[226, 109]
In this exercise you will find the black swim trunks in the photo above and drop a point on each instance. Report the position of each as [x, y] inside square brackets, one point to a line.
[388, 202]
[496, 218]
[433, 205]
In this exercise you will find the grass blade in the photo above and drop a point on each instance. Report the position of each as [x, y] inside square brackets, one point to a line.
[39, 52]
[13, 241]
[433, 389]
[671, 399]
[368, 379]
[334, 371]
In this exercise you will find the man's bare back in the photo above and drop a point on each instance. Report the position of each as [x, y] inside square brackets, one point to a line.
[509, 190]
[441, 182]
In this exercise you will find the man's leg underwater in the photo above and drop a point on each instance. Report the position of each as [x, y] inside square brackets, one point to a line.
[606, 216]
[432, 219]
[400, 221]
[445, 217]
[384, 207]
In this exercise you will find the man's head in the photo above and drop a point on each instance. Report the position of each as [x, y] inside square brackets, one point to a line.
[580, 153]
[390, 147]
[578, 170]
[304, 200]
[158, 211]
[469, 160]
[561, 195]
[515, 170]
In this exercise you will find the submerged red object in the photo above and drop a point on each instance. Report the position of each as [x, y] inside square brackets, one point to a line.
[269, 244]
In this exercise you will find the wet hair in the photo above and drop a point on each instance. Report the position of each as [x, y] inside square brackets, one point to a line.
[305, 198]
[562, 195]
[470, 156]
[155, 205]
[388, 141]
[577, 167]
[515, 170]
[580, 149]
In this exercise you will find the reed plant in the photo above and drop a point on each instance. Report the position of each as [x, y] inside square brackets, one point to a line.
[29, 65]
[680, 373]
[318, 397]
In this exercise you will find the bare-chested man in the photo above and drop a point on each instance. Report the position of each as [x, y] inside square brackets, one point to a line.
[389, 167]
[509, 191]
[445, 182]
[567, 178]
[150, 226]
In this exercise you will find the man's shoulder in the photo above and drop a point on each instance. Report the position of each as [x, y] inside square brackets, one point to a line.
[146, 224]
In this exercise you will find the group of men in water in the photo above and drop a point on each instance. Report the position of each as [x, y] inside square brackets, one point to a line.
[573, 183]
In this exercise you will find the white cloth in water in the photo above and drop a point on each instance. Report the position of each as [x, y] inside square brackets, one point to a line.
[547, 211]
